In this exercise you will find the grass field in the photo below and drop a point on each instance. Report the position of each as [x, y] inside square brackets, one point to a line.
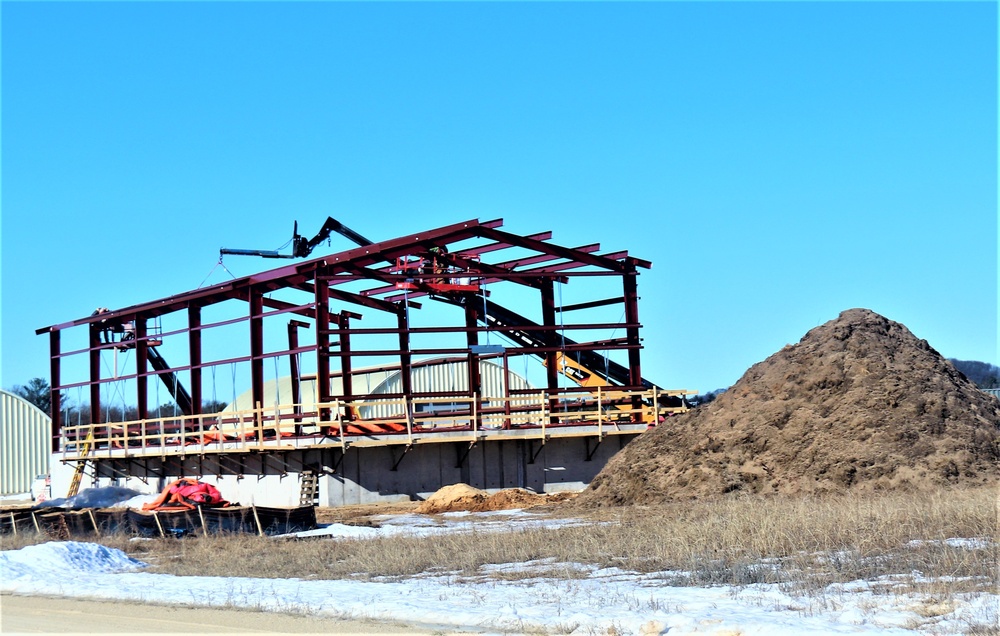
[939, 545]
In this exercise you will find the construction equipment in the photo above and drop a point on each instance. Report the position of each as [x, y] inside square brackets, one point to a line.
[302, 247]
[430, 271]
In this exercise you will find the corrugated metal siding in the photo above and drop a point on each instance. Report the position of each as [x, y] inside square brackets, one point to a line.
[445, 376]
[995, 392]
[449, 376]
[280, 391]
[25, 441]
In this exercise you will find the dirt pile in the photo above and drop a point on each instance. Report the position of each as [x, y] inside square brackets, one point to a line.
[462, 497]
[858, 403]
[452, 499]
[511, 498]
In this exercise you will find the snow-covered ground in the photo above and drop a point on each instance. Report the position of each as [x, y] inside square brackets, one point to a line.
[600, 601]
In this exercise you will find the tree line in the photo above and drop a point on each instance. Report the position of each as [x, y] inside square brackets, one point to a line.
[38, 392]
[984, 374]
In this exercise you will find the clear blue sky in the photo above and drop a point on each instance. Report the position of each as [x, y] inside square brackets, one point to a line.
[777, 162]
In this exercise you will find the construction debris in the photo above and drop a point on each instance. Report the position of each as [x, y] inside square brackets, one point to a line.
[64, 524]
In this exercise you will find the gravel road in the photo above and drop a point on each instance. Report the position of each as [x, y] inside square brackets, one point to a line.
[38, 614]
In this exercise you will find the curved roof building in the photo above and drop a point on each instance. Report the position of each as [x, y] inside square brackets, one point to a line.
[25, 443]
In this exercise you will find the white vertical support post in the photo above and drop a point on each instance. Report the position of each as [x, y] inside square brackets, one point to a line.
[545, 415]
[259, 421]
[340, 426]
[204, 528]
[600, 412]
[409, 422]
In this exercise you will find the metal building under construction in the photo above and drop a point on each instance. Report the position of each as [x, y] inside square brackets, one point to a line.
[383, 372]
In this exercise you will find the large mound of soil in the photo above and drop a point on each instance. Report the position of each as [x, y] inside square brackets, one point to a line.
[858, 403]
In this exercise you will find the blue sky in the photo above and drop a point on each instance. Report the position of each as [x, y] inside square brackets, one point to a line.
[777, 162]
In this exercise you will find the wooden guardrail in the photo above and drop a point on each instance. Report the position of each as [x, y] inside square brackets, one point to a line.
[262, 426]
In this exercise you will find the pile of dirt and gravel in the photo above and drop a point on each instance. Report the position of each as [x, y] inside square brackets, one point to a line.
[452, 499]
[859, 403]
[462, 497]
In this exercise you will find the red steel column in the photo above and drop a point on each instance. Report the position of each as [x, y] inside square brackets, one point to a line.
[194, 354]
[404, 356]
[322, 295]
[630, 284]
[293, 364]
[472, 338]
[95, 374]
[54, 374]
[551, 362]
[346, 368]
[257, 347]
[141, 369]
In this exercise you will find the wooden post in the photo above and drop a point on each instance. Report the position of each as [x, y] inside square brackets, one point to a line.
[34, 520]
[204, 528]
[13, 523]
[260, 529]
[93, 520]
[600, 412]
[156, 518]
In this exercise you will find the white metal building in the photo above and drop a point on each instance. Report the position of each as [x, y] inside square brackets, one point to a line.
[25, 443]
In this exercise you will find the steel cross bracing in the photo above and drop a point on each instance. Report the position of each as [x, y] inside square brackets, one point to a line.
[330, 300]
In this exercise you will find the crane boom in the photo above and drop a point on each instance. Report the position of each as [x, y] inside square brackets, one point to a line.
[301, 246]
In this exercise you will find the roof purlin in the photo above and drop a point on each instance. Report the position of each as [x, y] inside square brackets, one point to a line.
[550, 248]
[226, 291]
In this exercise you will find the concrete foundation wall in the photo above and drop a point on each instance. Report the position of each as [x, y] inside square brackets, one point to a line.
[366, 475]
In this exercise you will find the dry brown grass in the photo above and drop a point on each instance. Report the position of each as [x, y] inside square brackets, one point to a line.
[803, 543]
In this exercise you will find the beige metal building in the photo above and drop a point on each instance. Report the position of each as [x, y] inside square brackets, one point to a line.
[25, 443]
[427, 376]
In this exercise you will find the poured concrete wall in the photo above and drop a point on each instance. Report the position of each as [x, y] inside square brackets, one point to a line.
[366, 475]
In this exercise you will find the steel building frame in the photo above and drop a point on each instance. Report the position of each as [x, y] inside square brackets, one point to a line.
[397, 275]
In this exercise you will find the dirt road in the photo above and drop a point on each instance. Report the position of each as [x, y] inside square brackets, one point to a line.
[37, 614]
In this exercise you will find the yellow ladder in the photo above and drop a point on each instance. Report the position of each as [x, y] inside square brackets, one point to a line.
[74, 485]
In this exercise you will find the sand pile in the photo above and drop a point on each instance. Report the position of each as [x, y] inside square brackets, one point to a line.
[858, 403]
[452, 499]
[462, 497]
